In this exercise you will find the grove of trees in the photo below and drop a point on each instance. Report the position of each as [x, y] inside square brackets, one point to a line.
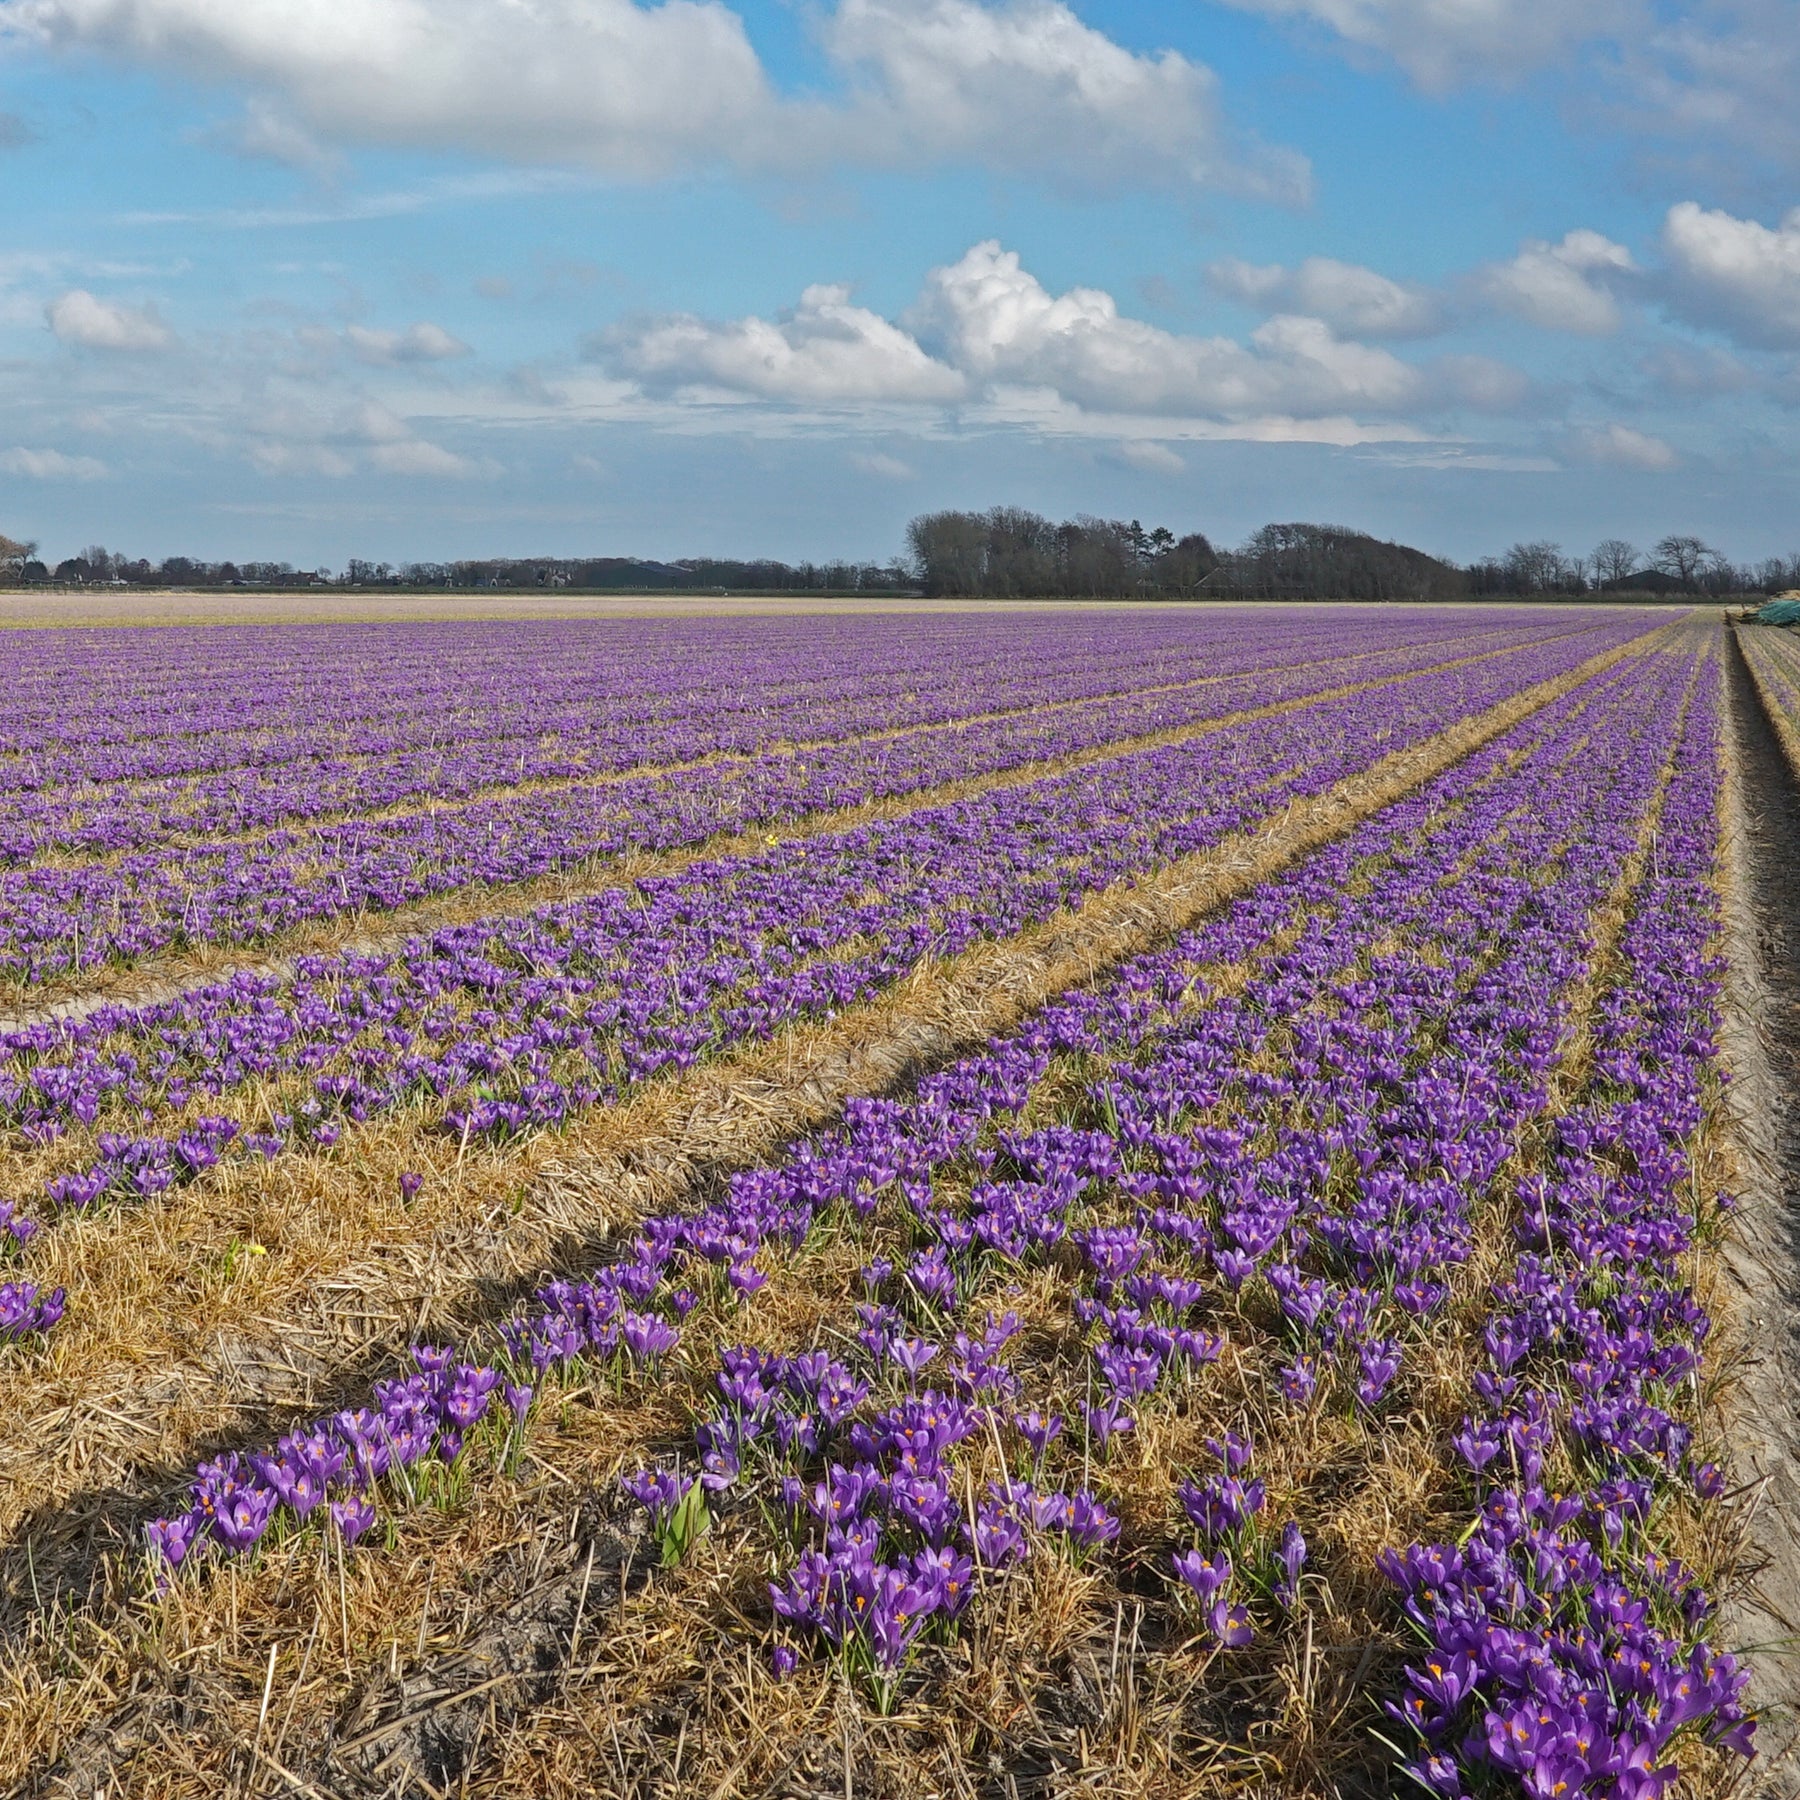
[1008, 550]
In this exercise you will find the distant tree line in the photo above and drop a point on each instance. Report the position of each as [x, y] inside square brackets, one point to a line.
[636, 574]
[98, 567]
[1677, 564]
[1009, 551]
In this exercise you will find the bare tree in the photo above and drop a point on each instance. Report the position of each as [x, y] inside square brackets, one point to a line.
[1683, 557]
[1776, 574]
[1613, 559]
[14, 556]
[1537, 568]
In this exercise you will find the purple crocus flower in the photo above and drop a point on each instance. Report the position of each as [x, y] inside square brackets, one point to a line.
[658, 1490]
[1229, 1624]
[911, 1354]
[1038, 1431]
[352, 1517]
[1300, 1380]
[647, 1337]
[1205, 1576]
[171, 1539]
[1291, 1556]
[1107, 1420]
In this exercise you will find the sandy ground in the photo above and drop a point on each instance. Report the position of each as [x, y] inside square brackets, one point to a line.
[33, 609]
[318, 606]
[1762, 1025]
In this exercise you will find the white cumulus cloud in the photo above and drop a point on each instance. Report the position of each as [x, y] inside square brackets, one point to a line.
[636, 89]
[827, 351]
[1346, 296]
[1030, 86]
[1620, 447]
[995, 319]
[50, 465]
[986, 334]
[1563, 286]
[645, 90]
[84, 320]
[1737, 273]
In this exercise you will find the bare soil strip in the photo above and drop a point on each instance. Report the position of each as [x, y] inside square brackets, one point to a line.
[180, 1342]
[164, 977]
[1762, 1259]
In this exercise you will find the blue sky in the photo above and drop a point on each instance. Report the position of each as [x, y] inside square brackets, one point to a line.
[308, 279]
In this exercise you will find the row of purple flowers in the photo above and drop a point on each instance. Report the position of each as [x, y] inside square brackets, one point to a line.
[1563, 1643]
[210, 733]
[69, 916]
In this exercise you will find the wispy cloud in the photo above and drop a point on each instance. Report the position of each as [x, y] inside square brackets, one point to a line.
[50, 465]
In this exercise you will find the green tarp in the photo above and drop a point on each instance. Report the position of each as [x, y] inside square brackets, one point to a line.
[1777, 612]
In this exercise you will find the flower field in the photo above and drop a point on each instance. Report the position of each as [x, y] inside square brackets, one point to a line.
[1095, 1201]
[1773, 658]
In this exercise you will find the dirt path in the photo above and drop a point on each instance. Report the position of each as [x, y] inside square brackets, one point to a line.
[1763, 1260]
